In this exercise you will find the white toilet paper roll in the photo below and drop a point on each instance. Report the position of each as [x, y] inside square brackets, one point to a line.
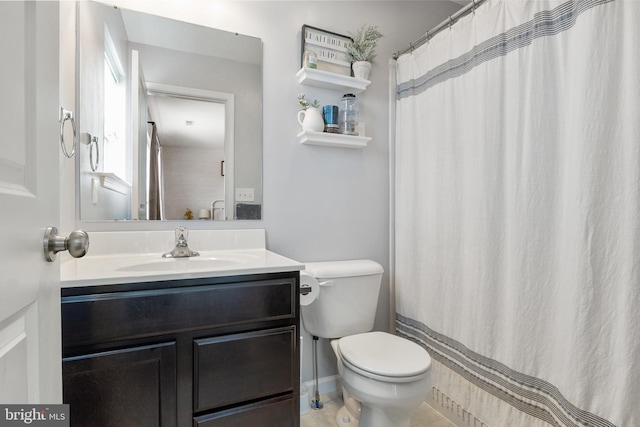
[308, 281]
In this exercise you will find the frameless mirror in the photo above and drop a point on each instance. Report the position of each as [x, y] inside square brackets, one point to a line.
[169, 117]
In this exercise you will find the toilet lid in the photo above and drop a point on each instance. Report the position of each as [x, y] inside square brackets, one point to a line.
[339, 269]
[384, 354]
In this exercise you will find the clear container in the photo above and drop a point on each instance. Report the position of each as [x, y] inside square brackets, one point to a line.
[310, 59]
[348, 115]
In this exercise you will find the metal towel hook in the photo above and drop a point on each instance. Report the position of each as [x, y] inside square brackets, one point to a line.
[64, 116]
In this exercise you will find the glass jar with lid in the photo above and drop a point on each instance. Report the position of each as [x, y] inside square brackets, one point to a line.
[348, 115]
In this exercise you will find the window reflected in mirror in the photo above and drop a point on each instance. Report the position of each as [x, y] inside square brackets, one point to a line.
[115, 142]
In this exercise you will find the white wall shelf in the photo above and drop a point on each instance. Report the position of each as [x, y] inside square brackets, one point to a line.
[113, 182]
[326, 139]
[327, 80]
[334, 81]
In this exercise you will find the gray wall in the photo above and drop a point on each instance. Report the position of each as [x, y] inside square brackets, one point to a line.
[319, 203]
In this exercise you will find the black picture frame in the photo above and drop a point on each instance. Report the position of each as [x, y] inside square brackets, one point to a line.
[330, 49]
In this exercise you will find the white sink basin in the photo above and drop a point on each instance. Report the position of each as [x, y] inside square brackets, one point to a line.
[236, 253]
[188, 264]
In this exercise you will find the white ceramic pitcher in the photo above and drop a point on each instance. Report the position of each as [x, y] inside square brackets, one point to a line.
[311, 119]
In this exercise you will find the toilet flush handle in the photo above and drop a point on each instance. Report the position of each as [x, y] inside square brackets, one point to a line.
[327, 283]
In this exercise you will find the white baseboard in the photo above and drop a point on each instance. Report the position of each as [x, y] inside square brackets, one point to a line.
[325, 385]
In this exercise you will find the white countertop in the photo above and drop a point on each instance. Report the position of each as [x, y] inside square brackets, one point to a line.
[132, 268]
[130, 257]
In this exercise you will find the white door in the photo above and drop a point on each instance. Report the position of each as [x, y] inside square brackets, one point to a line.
[30, 338]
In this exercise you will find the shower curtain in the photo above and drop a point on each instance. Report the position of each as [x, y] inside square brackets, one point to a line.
[517, 211]
[156, 198]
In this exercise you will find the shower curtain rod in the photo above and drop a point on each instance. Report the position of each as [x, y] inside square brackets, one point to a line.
[447, 23]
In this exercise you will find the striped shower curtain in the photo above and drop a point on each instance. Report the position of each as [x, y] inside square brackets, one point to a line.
[517, 211]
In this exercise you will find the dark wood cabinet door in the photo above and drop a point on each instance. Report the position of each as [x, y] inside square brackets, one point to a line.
[127, 387]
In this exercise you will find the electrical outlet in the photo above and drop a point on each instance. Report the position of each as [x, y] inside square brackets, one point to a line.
[244, 195]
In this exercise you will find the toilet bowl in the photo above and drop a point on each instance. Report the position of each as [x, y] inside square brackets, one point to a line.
[384, 377]
[388, 375]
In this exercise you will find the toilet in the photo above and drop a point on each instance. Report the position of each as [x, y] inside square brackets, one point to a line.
[384, 377]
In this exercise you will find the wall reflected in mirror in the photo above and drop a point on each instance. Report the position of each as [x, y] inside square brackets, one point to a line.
[176, 109]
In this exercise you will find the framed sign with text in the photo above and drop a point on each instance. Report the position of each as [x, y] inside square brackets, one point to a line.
[330, 49]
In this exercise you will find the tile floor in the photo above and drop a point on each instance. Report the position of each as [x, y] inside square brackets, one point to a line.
[425, 416]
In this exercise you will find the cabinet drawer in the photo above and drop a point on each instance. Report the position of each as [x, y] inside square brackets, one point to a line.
[114, 316]
[281, 412]
[236, 368]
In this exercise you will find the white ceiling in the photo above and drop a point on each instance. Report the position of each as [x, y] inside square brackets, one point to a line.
[186, 122]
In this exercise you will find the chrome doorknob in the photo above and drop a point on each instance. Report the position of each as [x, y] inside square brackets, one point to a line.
[77, 243]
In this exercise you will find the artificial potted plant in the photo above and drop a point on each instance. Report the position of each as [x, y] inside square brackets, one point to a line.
[362, 50]
[309, 117]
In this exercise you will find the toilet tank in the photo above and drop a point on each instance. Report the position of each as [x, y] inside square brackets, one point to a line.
[347, 300]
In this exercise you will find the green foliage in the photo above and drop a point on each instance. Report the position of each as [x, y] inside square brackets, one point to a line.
[364, 44]
[305, 104]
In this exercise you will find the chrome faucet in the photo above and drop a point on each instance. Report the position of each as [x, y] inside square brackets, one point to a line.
[182, 248]
[214, 208]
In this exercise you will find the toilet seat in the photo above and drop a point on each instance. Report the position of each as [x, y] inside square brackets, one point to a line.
[384, 357]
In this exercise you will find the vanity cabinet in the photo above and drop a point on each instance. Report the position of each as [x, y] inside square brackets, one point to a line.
[198, 352]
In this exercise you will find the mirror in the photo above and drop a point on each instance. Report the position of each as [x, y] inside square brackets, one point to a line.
[170, 119]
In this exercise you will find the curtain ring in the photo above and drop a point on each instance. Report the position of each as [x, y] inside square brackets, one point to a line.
[473, 6]
[450, 22]
[64, 116]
